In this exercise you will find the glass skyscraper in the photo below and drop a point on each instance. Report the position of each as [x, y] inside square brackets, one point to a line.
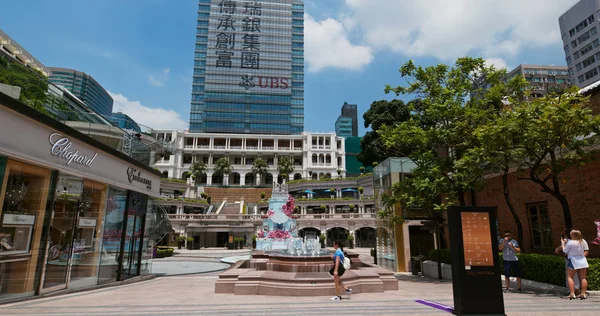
[249, 67]
[84, 87]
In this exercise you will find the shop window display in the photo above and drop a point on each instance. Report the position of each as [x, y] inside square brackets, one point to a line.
[24, 197]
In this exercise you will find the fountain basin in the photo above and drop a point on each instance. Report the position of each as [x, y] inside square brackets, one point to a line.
[278, 274]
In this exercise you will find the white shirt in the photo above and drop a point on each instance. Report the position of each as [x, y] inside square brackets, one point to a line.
[574, 251]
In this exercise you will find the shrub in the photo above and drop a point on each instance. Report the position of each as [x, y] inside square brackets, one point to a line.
[322, 237]
[445, 255]
[593, 275]
[350, 238]
[181, 238]
[208, 199]
[254, 238]
[375, 164]
[323, 206]
[170, 252]
[262, 195]
[190, 239]
[362, 169]
[351, 206]
[161, 253]
[361, 190]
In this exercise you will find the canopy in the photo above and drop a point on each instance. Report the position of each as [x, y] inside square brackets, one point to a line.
[349, 190]
[309, 192]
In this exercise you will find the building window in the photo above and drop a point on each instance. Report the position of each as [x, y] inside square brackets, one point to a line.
[539, 222]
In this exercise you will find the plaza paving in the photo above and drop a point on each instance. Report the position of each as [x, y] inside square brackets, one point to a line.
[194, 295]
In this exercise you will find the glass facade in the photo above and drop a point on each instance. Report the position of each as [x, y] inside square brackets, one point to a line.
[85, 88]
[249, 67]
[124, 121]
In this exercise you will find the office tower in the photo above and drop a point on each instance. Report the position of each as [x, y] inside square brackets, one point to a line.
[543, 79]
[579, 29]
[347, 123]
[84, 87]
[249, 67]
[124, 121]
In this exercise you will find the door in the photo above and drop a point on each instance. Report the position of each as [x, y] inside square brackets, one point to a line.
[131, 252]
[61, 233]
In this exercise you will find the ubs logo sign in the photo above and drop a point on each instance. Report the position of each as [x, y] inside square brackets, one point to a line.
[264, 82]
[134, 175]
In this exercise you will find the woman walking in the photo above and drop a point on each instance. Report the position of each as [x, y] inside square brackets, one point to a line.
[338, 270]
[577, 263]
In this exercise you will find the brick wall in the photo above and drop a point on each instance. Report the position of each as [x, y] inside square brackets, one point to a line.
[581, 187]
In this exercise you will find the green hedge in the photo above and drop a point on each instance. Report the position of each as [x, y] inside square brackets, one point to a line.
[542, 268]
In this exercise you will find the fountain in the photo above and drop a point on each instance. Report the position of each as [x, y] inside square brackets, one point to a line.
[279, 232]
[284, 264]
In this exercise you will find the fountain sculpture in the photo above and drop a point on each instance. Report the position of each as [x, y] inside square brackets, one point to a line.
[279, 232]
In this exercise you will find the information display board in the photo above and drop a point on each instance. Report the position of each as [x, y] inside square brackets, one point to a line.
[476, 281]
[476, 232]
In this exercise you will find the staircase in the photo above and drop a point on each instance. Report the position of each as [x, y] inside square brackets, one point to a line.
[161, 226]
[231, 209]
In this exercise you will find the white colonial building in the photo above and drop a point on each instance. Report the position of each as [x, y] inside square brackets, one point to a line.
[314, 155]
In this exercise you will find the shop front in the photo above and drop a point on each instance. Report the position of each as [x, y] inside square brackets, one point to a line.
[72, 210]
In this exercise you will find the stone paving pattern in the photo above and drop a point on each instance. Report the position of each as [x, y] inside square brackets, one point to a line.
[194, 295]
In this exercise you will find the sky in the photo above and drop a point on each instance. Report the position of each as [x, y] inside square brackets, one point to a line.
[142, 51]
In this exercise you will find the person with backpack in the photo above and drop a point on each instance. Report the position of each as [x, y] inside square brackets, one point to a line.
[340, 262]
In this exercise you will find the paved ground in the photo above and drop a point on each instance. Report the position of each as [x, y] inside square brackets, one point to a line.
[194, 295]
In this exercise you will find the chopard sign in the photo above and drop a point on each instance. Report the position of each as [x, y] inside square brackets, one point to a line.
[134, 175]
[61, 147]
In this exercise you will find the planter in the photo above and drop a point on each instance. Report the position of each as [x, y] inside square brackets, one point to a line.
[190, 246]
[430, 270]
[254, 244]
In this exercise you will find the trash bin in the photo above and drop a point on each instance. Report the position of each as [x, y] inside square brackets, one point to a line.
[415, 266]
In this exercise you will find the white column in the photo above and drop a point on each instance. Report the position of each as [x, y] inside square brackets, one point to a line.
[242, 179]
[209, 177]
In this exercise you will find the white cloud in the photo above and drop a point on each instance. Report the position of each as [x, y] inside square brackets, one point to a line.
[450, 29]
[160, 79]
[497, 62]
[153, 117]
[327, 45]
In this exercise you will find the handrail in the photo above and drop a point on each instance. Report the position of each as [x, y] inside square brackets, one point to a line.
[247, 217]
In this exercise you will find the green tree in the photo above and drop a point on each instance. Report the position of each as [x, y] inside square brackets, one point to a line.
[223, 167]
[260, 168]
[557, 132]
[380, 113]
[34, 86]
[285, 165]
[197, 169]
[452, 102]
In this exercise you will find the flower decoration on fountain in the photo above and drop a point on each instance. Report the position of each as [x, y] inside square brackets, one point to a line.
[261, 234]
[288, 207]
[270, 213]
[279, 234]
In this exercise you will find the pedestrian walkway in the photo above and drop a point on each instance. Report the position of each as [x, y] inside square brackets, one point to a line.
[194, 295]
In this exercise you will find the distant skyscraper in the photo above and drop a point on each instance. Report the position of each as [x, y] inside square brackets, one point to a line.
[85, 87]
[579, 29]
[249, 67]
[347, 123]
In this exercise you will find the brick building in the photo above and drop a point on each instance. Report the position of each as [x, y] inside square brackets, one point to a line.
[540, 213]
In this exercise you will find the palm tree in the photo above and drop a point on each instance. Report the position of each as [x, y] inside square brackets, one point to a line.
[197, 169]
[223, 167]
[285, 165]
[260, 167]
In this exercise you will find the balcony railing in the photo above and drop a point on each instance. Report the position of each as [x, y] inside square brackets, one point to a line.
[258, 217]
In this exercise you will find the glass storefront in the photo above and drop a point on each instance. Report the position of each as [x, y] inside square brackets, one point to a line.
[24, 211]
[113, 230]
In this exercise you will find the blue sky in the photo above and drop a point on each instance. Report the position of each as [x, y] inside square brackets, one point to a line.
[142, 51]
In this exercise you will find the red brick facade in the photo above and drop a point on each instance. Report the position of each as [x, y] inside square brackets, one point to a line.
[581, 187]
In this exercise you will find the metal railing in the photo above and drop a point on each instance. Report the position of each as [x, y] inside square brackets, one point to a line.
[257, 217]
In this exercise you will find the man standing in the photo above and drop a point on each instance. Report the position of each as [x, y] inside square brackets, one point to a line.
[510, 248]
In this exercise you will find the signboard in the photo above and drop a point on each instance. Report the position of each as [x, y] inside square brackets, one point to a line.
[477, 243]
[87, 222]
[476, 280]
[18, 219]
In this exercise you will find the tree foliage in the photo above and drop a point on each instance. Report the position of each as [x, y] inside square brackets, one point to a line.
[33, 86]
[197, 169]
[285, 165]
[380, 113]
[223, 166]
[260, 167]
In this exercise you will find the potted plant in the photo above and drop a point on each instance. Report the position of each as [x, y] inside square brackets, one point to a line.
[208, 200]
[310, 173]
[374, 255]
[322, 240]
[351, 206]
[323, 208]
[181, 241]
[375, 164]
[254, 242]
[204, 195]
[339, 172]
[362, 170]
[350, 239]
[190, 243]
[262, 195]
[361, 190]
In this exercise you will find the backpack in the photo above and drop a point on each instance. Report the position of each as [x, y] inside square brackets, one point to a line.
[346, 263]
